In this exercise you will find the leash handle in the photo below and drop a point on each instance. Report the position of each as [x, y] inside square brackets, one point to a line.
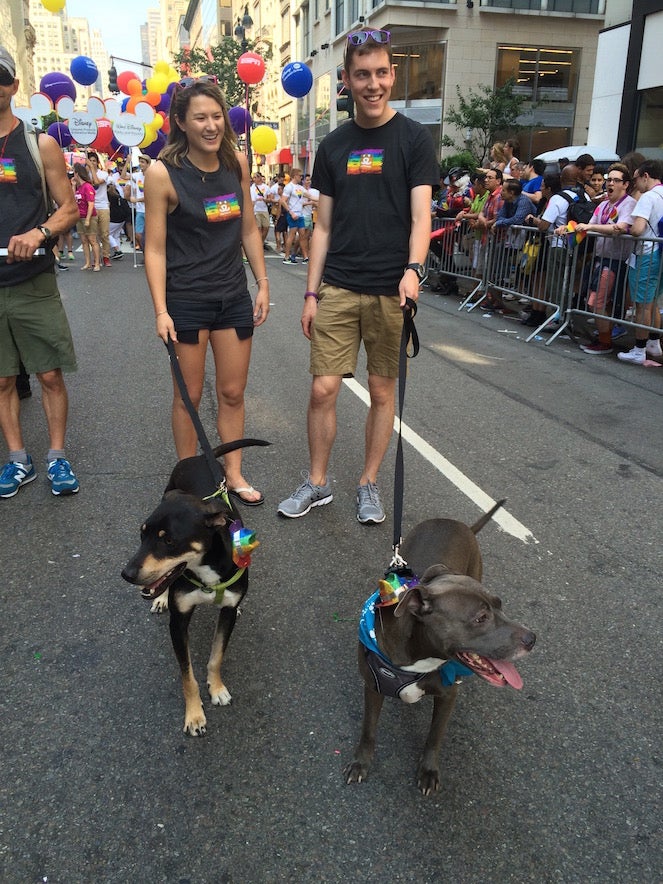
[408, 336]
[212, 462]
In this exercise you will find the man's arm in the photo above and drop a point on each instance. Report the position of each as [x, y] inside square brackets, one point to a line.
[420, 230]
[317, 257]
[22, 247]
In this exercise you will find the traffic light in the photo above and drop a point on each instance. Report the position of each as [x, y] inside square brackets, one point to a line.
[112, 80]
[344, 102]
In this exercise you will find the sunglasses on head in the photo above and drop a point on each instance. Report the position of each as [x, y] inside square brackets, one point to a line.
[6, 78]
[360, 37]
[185, 82]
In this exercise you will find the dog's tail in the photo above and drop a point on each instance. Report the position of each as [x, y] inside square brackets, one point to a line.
[225, 447]
[487, 516]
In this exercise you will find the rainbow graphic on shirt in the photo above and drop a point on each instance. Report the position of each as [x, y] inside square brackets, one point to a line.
[366, 162]
[8, 171]
[222, 208]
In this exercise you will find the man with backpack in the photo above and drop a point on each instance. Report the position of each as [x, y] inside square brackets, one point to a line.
[33, 325]
[644, 275]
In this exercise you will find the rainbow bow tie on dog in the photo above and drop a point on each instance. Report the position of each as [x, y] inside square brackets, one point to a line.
[244, 542]
[392, 586]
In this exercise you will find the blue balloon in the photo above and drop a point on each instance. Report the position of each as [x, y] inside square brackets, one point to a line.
[240, 120]
[61, 133]
[84, 70]
[296, 79]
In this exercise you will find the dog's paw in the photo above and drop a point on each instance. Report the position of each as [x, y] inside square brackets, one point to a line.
[195, 725]
[428, 780]
[220, 696]
[355, 772]
[160, 604]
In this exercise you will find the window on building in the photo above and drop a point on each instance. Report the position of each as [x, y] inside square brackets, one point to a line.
[576, 7]
[418, 72]
[340, 16]
[650, 122]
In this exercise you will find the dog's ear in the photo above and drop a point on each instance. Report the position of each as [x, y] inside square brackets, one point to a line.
[217, 514]
[435, 571]
[413, 602]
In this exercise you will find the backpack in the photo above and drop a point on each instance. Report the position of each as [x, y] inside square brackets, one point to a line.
[580, 209]
[32, 142]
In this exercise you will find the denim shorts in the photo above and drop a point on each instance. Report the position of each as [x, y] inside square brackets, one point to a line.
[190, 317]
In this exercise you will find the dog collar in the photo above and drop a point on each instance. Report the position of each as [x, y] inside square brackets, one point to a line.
[450, 671]
[217, 588]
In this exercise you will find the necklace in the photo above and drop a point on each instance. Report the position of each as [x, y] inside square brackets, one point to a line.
[4, 145]
[203, 173]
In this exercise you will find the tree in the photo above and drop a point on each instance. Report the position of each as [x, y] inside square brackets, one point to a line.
[223, 64]
[486, 113]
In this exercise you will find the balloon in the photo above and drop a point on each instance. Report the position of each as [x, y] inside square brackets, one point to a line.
[250, 68]
[123, 80]
[123, 106]
[240, 119]
[164, 104]
[53, 5]
[153, 150]
[263, 139]
[296, 79]
[56, 85]
[157, 83]
[61, 133]
[104, 135]
[161, 67]
[152, 98]
[84, 70]
[134, 87]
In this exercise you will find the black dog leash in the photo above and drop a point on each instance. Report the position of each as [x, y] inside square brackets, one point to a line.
[212, 462]
[409, 337]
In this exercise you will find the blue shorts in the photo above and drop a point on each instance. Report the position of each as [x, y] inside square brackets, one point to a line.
[191, 316]
[140, 222]
[645, 278]
[299, 223]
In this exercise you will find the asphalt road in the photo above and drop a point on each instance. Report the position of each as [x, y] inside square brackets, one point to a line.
[560, 782]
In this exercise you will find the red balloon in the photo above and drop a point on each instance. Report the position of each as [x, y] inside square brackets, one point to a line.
[250, 68]
[104, 135]
[123, 80]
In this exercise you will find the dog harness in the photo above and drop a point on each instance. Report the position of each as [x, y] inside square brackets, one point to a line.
[391, 680]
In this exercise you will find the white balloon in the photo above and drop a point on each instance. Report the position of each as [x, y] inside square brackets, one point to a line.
[40, 104]
[83, 127]
[128, 130]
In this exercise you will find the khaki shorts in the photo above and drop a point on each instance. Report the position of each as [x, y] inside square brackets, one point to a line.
[345, 319]
[34, 328]
[262, 220]
[91, 230]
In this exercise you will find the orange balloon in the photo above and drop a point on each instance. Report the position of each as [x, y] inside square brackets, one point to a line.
[152, 98]
[134, 87]
[132, 102]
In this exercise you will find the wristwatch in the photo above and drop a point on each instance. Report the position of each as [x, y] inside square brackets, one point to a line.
[419, 269]
[45, 231]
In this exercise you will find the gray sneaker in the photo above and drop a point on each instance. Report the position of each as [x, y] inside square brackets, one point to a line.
[306, 496]
[369, 507]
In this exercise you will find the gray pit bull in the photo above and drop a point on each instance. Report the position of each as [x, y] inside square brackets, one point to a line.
[443, 626]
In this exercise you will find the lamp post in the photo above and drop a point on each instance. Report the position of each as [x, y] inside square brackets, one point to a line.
[243, 25]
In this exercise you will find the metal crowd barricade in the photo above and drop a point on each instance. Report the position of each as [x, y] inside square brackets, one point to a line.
[453, 251]
[524, 264]
[610, 271]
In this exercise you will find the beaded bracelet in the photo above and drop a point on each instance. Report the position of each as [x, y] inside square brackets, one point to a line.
[311, 295]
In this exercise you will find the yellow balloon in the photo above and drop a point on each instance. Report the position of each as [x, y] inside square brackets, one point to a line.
[157, 83]
[173, 76]
[53, 5]
[263, 139]
[150, 136]
[161, 67]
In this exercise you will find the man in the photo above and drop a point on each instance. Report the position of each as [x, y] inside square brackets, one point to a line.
[292, 200]
[585, 166]
[134, 193]
[33, 325]
[261, 197]
[644, 275]
[533, 180]
[611, 219]
[310, 206]
[488, 215]
[375, 175]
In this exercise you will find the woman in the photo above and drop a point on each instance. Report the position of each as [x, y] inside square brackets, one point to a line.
[497, 156]
[198, 218]
[87, 225]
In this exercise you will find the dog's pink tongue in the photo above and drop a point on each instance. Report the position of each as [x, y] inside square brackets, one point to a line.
[509, 672]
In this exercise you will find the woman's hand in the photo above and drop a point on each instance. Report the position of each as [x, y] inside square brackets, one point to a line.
[261, 306]
[166, 327]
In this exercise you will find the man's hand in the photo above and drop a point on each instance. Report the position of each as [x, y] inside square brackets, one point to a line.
[308, 316]
[23, 246]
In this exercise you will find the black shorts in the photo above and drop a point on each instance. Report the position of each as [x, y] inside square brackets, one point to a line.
[190, 317]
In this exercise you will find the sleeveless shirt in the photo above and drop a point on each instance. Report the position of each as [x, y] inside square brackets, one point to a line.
[21, 206]
[203, 236]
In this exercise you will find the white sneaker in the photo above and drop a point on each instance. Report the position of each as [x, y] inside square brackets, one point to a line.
[636, 356]
[653, 348]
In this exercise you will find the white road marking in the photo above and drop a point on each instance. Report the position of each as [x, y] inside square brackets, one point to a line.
[482, 500]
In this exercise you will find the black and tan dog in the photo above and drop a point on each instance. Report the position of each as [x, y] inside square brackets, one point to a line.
[441, 627]
[186, 548]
